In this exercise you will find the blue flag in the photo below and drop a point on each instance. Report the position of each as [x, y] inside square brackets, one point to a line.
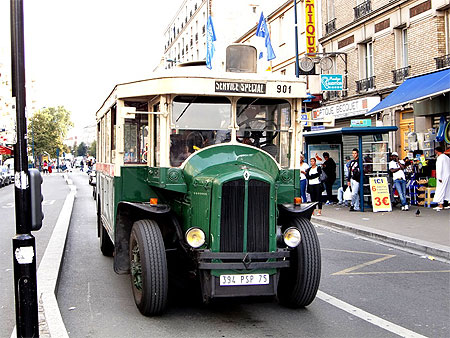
[263, 32]
[210, 38]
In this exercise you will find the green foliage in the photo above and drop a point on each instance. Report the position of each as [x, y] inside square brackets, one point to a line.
[93, 149]
[82, 149]
[48, 128]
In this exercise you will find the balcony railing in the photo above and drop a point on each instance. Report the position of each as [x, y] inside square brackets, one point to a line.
[330, 26]
[399, 75]
[365, 84]
[442, 61]
[362, 9]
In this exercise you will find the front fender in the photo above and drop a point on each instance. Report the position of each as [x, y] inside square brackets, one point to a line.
[127, 214]
[303, 210]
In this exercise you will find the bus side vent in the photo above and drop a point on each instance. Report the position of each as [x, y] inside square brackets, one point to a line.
[258, 216]
[232, 216]
[241, 59]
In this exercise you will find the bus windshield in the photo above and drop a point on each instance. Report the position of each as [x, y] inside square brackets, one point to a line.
[264, 123]
[198, 121]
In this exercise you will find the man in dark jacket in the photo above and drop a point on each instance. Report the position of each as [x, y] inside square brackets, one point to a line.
[329, 167]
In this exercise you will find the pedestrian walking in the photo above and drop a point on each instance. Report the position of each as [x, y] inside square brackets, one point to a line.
[45, 167]
[442, 179]
[303, 181]
[396, 167]
[353, 180]
[329, 167]
[315, 187]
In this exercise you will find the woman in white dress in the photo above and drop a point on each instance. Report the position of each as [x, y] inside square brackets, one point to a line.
[442, 179]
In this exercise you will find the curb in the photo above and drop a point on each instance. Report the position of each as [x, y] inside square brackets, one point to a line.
[402, 242]
[50, 320]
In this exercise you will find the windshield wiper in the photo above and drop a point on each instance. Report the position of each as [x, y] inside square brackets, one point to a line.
[184, 110]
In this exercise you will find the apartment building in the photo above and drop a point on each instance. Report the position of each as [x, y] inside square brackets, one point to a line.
[376, 45]
[7, 106]
[185, 36]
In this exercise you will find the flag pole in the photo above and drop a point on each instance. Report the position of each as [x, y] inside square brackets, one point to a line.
[296, 40]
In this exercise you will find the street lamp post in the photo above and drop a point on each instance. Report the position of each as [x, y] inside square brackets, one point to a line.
[24, 248]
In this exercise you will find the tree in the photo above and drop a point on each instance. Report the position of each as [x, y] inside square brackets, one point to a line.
[82, 149]
[93, 149]
[49, 127]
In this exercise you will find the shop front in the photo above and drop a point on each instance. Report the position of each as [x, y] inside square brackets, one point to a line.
[372, 144]
[423, 125]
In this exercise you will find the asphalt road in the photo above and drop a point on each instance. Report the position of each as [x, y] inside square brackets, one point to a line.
[55, 191]
[375, 288]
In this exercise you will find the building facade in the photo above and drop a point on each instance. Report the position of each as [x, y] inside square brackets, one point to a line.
[7, 107]
[185, 36]
[385, 42]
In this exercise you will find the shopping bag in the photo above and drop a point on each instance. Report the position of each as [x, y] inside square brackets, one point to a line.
[347, 194]
[323, 177]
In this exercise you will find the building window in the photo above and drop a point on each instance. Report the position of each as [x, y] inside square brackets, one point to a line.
[366, 68]
[368, 59]
[404, 48]
[330, 10]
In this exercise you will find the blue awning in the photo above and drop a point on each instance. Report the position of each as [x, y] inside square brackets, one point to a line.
[351, 131]
[416, 89]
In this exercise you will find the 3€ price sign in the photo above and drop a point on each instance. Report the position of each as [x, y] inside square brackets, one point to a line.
[379, 190]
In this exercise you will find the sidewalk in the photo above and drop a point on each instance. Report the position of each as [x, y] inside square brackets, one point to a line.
[428, 233]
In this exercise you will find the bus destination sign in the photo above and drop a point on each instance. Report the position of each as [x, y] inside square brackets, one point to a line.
[240, 87]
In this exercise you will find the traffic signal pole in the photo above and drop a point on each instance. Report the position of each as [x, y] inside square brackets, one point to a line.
[24, 248]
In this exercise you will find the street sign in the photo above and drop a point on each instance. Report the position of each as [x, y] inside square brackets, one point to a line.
[361, 123]
[306, 116]
[313, 128]
[379, 190]
[331, 82]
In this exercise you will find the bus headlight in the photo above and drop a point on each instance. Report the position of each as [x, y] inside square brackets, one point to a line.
[195, 237]
[292, 237]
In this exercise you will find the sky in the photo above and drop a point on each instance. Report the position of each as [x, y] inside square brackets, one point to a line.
[76, 51]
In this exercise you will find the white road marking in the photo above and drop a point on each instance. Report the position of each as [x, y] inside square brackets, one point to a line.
[384, 324]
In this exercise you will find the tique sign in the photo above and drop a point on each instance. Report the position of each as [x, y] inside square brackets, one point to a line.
[347, 109]
[310, 26]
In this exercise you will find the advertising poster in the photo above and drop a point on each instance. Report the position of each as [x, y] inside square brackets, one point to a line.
[379, 190]
[317, 150]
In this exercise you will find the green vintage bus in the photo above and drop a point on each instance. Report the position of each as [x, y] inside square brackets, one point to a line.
[198, 182]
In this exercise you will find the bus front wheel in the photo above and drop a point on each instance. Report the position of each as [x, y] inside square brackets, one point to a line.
[148, 265]
[299, 283]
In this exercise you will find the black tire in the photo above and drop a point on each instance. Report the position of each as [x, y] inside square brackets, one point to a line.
[298, 284]
[148, 265]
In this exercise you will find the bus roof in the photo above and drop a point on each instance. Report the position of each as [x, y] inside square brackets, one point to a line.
[200, 81]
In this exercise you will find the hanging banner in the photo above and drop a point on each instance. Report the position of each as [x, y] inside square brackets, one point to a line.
[310, 18]
[379, 190]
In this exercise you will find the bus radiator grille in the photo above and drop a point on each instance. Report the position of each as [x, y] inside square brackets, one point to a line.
[258, 216]
[232, 216]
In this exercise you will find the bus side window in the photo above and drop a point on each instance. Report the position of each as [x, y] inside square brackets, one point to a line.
[130, 140]
[136, 138]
